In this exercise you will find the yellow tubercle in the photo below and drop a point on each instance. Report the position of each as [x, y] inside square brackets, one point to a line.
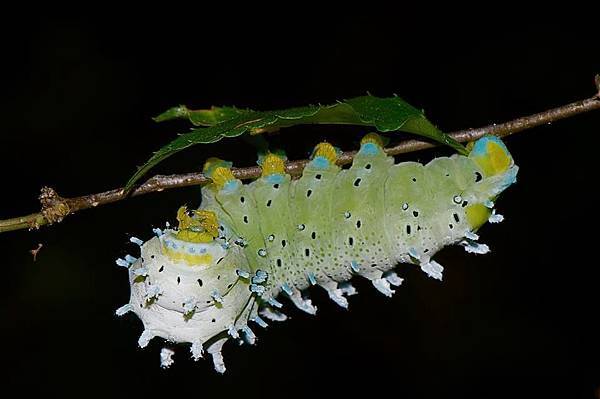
[220, 176]
[491, 156]
[326, 151]
[272, 164]
[372, 138]
[197, 225]
[477, 215]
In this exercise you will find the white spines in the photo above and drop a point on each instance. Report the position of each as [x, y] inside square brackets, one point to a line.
[335, 294]
[272, 314]
[197, 350]
[137, 241]
[153, 292]
[258, 320]
[383, 286]
[301, 303]
[233, 332]
[145, 338]
[475, 248]
[393, 278]
[347, 288]
[249, 335]
[166, 358]
[189, 305]
[141, 272]
[433, 269]
[495, 217]
[130, 259]
[124, 309]
[122, 262]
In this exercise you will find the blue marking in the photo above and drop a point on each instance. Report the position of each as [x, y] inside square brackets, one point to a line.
[369, 149]
[230, 186]
[274, 178]
[286, 288]
[192, 250]
[275, 303]
[311, 278]
[413, 253]
[480, 146]
[354, 266]
[260, 322]
[320, 162]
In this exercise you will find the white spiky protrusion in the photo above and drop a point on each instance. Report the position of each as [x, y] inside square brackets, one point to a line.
[347, 288]
[157, 231]
[433, 269]
[249, 335]
[336, 295]
[189, 305]
[495, 217]
[383, 286]
[301, 303]
[218, 361]
[393, 278]
[272, 314]
[153, 292]
[141, 272]
[197, 350]
[275, 303]
[145, 338]
[216, 296]
[258, 320]
[166, 358]
[130, 259]
[124, 309]
[137, 241]
[233, 332]
[476, 248]
[471, 236]
[122, 262]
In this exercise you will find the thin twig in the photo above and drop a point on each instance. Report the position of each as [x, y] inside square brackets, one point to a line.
[55, 208]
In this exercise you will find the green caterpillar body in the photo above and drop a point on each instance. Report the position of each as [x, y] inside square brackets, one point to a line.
[278, 236]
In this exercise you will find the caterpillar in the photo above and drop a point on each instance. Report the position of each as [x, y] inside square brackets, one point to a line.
[249, 248]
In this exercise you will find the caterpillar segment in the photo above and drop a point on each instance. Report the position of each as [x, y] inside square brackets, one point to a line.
[232, 265]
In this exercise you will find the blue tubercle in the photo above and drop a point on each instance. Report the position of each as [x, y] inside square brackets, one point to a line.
[320, 162]
[369, 149]
[275, 178]
[231, 186]
[480, 146]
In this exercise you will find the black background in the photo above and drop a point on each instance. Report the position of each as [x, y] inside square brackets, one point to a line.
[77, 97]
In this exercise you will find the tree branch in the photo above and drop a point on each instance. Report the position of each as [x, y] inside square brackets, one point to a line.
[55, 208]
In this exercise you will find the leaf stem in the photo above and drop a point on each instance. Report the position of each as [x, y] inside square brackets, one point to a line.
[55, 208]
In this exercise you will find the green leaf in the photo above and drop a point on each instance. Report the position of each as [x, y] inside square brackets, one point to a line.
[201, 117]
[385, 114]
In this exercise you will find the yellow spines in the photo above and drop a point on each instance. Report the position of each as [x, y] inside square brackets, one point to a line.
[202, 228]
[326, 151]
[218, 171]
[373, 138]
[272, 164]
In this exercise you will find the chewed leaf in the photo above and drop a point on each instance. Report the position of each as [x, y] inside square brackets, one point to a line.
[385, 114]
